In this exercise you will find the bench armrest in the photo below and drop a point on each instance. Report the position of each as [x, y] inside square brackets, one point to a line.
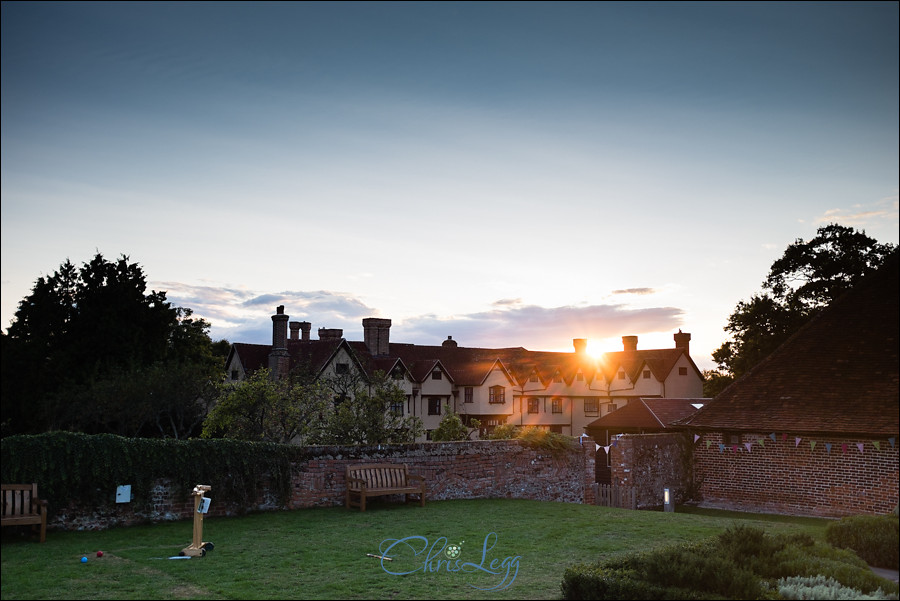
[359, 481]
[411, 477]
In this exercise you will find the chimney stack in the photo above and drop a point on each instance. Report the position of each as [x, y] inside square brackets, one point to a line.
[295, 330]
[629, 343]
[330, 333]
[683, 340]
[449, 343]
[279, 360]
[377, 335]
[580, 345]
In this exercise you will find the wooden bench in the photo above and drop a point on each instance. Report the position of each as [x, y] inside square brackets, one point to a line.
[21, 507]
[378, 479]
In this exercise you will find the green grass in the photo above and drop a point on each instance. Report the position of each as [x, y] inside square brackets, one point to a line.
[321, 553]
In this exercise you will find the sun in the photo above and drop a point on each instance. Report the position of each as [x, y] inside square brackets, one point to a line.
[597, 347]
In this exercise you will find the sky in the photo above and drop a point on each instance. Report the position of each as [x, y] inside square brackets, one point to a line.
[508, 174]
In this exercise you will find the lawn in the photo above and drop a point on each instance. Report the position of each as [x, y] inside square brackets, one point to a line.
[508, 549]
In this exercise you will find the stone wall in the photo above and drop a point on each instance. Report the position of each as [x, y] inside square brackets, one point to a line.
[452, 470]
[651, 463]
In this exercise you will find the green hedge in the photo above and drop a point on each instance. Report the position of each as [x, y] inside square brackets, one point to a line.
[875, 538]
[86, 468]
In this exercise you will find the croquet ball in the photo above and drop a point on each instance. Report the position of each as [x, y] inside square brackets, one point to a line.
[99, 553]
[84, 560]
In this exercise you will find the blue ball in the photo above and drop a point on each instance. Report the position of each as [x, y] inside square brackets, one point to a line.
[84, 560]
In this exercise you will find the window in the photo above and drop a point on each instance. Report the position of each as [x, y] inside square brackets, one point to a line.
[533, 378]
[469, 395]
[611, 407]
[682, 371]
[497, 395]
[646, 374]
[342, 368]
[434, 405]
[436, 374]
[556, 429]
[579, 376]
[397, 374]
[621, 375]
[397, 408]
[534, 404]
[557, 405]
[557, 378]
[234, 374]
[731, 439]
[590, 406]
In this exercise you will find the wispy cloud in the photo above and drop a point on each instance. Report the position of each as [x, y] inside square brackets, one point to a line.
[240, 315]
[882, 211]
[635, 291]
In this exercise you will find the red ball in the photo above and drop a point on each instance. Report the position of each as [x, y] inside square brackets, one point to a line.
[99, 553]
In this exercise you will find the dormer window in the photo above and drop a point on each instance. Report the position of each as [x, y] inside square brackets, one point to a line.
[342, 368]
[436, 374]
[646, 374]
[533, 378]
[621, 375]
[579, 376]
[557, 378]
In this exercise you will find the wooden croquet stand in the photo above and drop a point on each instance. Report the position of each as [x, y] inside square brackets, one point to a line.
[198, 548]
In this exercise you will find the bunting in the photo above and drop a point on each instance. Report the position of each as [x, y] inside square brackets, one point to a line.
[844, 447]
[828, 447]
[859, 446]
[696, 437]
[749, 446]
[762, 442]
[891, 440]
[877, 444]
[721, 447]
[796, 441]
[772, 436]
[812, 445]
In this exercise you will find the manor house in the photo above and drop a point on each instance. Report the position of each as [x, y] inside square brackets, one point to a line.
[559, 391]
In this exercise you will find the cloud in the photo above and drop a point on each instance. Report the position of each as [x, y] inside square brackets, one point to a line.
[635, 291]
[240, 315]
[537, 327]
[881, 211]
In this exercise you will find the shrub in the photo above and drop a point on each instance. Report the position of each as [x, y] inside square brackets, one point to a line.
[875, 538]
[826, 589]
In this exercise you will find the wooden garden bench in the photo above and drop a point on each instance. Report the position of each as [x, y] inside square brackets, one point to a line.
[21, 507]
[378, 479]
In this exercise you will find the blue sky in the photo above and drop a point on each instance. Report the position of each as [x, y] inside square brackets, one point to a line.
[511, 174]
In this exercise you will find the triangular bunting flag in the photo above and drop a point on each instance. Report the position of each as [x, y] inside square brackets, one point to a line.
[596, 447]
[828, 447]
[844, 448]
[708, 442]
[812, 445]
[891, 440]
[734, 449]
[877, 444]
[784, 437]
[797, 441]
[749, 445]
[772, 436]
[721, 447]
[762, 442]
[696, 437]
[860, 445]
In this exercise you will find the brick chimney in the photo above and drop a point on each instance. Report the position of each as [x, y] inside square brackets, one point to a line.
[295, 330]
[683, 340]
[377, 335]
[449, 343]
[330, 333]
[279, 360]
[580, 345]
[629, 343]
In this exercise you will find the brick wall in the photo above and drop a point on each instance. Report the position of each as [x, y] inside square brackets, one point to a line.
[780, 476]
[452, 470]
[651, 463]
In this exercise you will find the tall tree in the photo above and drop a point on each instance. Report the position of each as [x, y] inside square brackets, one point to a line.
[85, 337]
[807, 278]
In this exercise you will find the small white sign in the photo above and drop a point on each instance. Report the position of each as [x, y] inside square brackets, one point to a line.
[123, 493]
[204, 505]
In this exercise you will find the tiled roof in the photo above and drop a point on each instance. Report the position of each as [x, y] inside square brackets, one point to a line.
[838, 374]
[647, 414]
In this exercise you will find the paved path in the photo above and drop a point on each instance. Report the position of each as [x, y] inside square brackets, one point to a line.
[889, 574]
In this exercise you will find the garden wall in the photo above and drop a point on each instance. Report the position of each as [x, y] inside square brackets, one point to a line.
[452, 470]
[820, 476]
[651, 463]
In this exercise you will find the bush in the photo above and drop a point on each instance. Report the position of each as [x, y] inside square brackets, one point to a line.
[875, 538]
[826, 589]
[741, 563]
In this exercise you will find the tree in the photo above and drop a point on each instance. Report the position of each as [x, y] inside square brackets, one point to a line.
[452, 427]
[85, 337]
[261, 408]
[806, 279]
[370, 413]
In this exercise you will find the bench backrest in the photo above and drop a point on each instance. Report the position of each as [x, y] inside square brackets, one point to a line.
[17, 499]
[379, 475]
